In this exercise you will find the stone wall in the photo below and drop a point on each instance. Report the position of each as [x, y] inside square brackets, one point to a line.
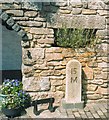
[44, 66]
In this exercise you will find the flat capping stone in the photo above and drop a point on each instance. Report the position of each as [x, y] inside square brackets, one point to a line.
[66, 105]
[75, 21]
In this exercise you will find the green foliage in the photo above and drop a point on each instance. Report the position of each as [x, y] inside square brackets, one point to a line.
[11, 101]
[11, 86]
[75, 38]
[14, 94]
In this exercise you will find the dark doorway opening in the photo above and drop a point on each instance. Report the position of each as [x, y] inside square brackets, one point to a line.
[11, 74]
[10, 54]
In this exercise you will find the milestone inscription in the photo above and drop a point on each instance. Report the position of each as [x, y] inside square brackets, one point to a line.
[73, 81]
[74, 76]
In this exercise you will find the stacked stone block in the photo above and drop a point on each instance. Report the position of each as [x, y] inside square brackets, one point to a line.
[44, 66]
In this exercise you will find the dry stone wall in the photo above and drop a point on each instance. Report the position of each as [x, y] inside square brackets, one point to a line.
[44, 66]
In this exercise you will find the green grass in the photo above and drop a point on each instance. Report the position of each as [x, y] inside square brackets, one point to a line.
[75, 38]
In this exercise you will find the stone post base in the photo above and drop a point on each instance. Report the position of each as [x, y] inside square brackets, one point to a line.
[79, 105]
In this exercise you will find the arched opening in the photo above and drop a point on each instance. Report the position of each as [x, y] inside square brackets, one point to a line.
[10, 54]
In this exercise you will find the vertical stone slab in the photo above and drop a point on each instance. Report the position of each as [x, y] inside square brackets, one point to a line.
[73, 86]
[73, 82]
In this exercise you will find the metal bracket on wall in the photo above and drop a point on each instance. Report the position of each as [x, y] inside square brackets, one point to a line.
[43, 101]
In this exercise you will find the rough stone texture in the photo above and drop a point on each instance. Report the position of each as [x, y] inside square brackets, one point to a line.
[57, 77]
[85, 4]
[54, 56]
[46, 41]
[76, 11]
[26, 69]
[93, 4]
[88, 73]
[102, 32]
[56, 82]
[31, 23]
[31, 84]
[58, 95]
[40, 60]
[35, 53]
[97, 82]
[103, 12]
[93, 21]
[36, 84]
[76, 3]
[91, 87]
[103, 64]
[41, 31]
[102, 91]
[88, 12]
[18, 13]
[54, 50]
[31, 13]
[29, 36]
[65, 11]
[8, 5]
[44, 83]
[94, 97]
[41, 19]
[21, 18]
[104, 75]
[59, 4]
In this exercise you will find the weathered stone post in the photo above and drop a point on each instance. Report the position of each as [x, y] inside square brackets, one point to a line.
[73, 86]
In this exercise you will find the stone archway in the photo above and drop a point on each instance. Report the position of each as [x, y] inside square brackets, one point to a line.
[11, 50]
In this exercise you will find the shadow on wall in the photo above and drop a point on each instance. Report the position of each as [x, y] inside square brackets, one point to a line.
[10, 54]
[47, 10]
[84, 87]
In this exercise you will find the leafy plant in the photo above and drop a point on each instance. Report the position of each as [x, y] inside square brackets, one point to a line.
[11, 86]
[75, 38]
[11, 101]
[15, 96]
